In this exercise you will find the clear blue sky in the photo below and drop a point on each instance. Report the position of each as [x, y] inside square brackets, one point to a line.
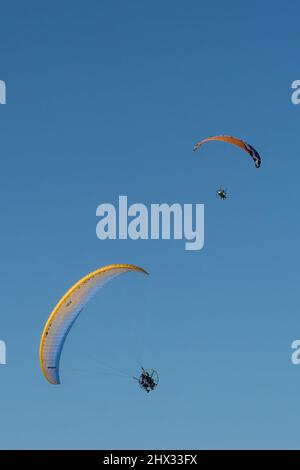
[107, 98]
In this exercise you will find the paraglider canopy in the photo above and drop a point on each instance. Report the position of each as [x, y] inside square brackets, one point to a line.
[70, 306]
[234, 141]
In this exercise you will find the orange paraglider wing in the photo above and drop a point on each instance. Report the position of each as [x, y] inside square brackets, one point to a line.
[234, 141]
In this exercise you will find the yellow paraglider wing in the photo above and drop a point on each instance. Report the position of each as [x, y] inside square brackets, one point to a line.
[67, 311]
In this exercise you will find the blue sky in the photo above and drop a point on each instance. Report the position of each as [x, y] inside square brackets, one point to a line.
[108, 98]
